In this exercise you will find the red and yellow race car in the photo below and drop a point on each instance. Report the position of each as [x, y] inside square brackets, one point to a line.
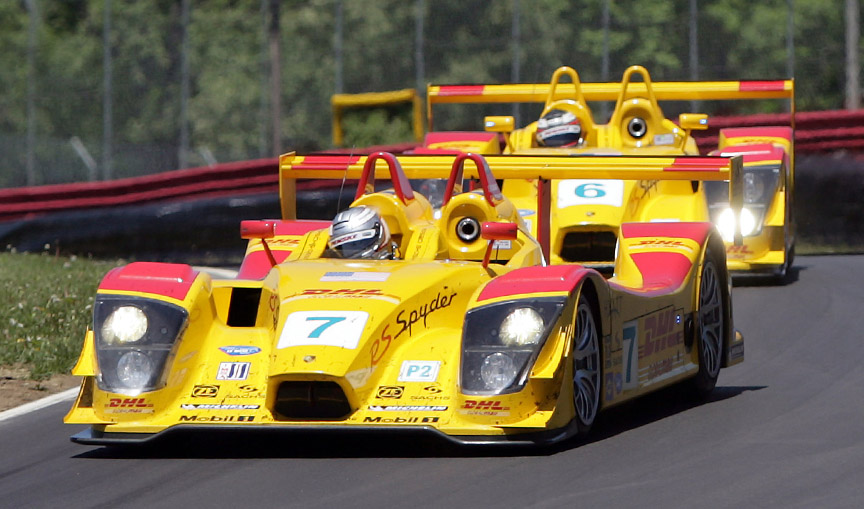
[459, 329]
[588, 212]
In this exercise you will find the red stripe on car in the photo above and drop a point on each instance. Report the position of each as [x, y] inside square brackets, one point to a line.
[167, 279]
[528, 280]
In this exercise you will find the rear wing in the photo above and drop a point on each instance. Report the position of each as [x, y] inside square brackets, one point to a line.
[543, 168]
[663, 91]
[341, 102]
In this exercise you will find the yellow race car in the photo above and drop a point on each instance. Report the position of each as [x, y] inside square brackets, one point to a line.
[460, 329]
[588, 212]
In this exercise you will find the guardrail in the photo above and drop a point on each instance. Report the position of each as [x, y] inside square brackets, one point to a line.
[815, 132]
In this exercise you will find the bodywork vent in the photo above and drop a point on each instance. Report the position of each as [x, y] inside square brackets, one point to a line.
[311, 400]
[589, 247]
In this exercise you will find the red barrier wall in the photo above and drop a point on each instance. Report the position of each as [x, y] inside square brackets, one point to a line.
[819, 131]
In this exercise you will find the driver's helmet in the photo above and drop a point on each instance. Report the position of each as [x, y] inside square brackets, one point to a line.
[359, 232]
[559, 128]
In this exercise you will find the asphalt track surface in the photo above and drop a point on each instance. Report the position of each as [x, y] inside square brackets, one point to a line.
[783, 429]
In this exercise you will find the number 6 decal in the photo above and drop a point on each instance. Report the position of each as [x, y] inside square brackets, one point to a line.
[325, 328]
[573, 192]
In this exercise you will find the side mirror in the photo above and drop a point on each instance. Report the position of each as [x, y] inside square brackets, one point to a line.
[254, 229]
[498, 124]
[693, 121]
[263, 230]
[496, 231]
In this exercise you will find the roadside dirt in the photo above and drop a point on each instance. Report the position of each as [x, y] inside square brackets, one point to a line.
[16, 388]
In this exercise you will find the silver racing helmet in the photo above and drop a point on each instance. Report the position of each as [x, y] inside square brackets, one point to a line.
[359, 232]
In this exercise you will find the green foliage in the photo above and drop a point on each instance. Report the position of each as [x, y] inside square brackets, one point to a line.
[466, 41]
[46, 305]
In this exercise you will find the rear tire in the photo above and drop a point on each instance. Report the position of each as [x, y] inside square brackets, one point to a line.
[586, 366]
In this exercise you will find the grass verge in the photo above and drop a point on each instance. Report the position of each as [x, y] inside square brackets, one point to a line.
[46, 305]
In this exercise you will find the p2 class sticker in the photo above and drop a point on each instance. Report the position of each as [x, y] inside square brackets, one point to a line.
[323, 328]
[419, 371]
[574, 192]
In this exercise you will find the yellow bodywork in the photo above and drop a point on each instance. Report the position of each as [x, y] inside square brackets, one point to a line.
[588, 212]
[388, 334]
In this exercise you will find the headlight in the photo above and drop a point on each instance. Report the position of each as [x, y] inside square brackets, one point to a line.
[135, 339]
[125, 324]
[501, 341]
[523, 326]
[726, 224]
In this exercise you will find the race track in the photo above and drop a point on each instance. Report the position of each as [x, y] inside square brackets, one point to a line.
[784, 429]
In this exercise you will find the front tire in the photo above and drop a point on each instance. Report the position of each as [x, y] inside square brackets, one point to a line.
[586, 366]
[712, 325]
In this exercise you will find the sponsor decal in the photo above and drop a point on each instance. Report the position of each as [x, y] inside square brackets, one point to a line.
[205, 391]
[433, 389]
[407, 408]
[419, 371]
[343, 293]
[574, 192]
[217, 418]
[233, 370]
[661, 243]
[423, 312]
[219, 407]
[664, 139]
[390, 391]
[490, 408]
[355, 276]
[323, 328]
[485, 405]
[247, 388]
[743, 249]
[240, 350]
[128, 406]
[400, 420]
[661, 330]
[501, 244]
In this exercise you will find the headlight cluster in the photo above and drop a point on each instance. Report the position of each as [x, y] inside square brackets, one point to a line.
[135, 338]
[760, 185]
[501, 341]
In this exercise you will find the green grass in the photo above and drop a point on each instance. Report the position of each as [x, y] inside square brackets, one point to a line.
[46, 305]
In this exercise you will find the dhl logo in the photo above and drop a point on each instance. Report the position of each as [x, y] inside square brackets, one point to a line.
[484, 405]
[343, 291]
[129, 403]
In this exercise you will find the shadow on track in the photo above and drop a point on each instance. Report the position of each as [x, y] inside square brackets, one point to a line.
[225, 444]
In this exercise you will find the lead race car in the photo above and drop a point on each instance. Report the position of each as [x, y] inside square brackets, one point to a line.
[467, 334]
[588, 212]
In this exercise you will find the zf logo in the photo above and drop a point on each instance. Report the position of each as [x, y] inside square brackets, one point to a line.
[205, 391]
[390, 392]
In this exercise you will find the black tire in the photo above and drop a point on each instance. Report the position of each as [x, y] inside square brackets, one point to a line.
[713, 321]
[586, 365]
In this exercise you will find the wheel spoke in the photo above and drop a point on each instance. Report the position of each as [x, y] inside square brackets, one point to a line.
[586, 366]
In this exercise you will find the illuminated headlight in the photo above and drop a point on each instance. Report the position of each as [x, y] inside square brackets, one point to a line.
[726, 224]
[523, 326]
[135, 340]
[501, 341]
[125, 324]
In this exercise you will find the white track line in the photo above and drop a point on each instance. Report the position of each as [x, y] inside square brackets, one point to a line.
[38, 404]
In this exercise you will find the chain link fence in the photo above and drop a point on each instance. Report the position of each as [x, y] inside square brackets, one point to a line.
[99, 89]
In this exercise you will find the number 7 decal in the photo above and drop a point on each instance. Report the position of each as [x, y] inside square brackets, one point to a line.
[328, 321]
[631, 355]
[323, 328]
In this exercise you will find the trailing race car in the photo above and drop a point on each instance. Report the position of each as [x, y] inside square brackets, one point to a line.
[460, 329]
[588, 212]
